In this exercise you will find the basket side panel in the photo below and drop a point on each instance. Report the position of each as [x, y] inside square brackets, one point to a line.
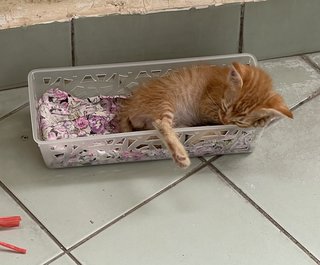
[117, 149]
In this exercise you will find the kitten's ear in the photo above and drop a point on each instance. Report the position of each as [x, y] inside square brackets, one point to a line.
[241, 68]
[234, 77]
[279, 111]
[235, 83]
[277, 106]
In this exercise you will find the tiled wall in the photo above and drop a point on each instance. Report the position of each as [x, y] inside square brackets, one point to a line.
[190, 33]
[267, 29]
[26, 48]
[281, 27]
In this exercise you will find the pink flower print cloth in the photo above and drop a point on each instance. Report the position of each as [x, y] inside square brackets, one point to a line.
[63, 116]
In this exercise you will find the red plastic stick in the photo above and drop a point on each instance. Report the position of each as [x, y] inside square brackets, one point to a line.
[10, 221]
[14, 248]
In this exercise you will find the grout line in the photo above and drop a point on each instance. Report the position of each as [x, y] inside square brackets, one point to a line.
[307, 99]
[202, 159]
[309, 61]
[54, 258]
[242, 11]
[17, 86]
[285, 56]
[14, 111]
[264, 213]
[316, 93]
[73, 58]
[14, 86]
[62, 254]
[214, 158]
[139, 205]
[37, 221]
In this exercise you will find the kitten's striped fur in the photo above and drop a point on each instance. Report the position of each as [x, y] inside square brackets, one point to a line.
[202, 95]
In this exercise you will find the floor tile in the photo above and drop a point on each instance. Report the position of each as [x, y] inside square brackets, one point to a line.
[315, 57]
[27, 48]
[72, 203]
[282, 174]
[165, 35]
[12, 99]
[293, 78]
[29, 235]
[276, 28]
[198, 221]
[64, 260]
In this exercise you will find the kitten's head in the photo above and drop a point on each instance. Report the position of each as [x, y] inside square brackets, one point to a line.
[249, 99]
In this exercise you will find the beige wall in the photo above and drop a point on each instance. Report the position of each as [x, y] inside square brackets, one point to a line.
[15, 13]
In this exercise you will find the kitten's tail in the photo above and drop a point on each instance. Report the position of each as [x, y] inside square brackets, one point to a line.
[125, 125]
[123, 118]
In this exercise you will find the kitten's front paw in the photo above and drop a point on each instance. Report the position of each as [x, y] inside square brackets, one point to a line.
[182, 159]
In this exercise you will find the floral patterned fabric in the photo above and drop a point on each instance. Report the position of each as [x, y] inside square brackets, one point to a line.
[63, 116]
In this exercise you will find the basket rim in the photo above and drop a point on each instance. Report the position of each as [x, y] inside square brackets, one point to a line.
[141, 63]
[33, 111]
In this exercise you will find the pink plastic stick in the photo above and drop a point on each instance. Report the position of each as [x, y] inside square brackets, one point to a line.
[10, 221]
[14, 248]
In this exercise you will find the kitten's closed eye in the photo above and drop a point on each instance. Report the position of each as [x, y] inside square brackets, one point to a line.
[261, 122]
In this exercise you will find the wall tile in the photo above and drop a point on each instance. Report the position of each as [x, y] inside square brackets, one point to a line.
[26, 48]
[276, 28]
[165, 35]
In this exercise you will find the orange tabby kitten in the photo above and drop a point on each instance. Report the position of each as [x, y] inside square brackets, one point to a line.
[202, 95]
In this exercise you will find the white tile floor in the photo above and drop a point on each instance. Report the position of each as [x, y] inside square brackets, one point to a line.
[261, 208]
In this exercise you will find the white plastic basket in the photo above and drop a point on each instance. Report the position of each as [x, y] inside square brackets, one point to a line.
[121, 79]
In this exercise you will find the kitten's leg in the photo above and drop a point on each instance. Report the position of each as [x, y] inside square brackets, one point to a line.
[178, 152]
[124, 123]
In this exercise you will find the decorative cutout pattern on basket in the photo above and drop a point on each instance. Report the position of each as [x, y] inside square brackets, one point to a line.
[149, 147]
[102, 83]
